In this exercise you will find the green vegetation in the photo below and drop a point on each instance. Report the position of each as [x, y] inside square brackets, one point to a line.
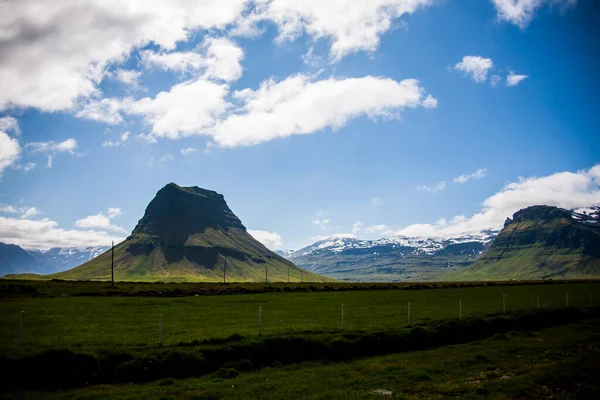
[559, 363]
[540, 242]
[86, 323]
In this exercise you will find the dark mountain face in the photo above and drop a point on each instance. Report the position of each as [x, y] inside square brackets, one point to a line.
[541, 242]
[177, 212]
[189, 234]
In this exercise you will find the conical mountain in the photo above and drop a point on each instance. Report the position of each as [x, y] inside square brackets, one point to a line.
[190, 234]
[540, 242]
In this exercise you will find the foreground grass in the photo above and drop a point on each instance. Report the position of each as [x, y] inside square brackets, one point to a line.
[90, 322]
[131, 323]
[558, 363]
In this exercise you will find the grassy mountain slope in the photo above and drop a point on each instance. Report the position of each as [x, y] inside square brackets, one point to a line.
[540, 242]
[188, 234]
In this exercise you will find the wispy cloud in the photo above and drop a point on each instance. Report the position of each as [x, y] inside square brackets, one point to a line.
[480, 173]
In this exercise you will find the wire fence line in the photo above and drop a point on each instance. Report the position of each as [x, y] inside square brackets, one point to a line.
[167, 326]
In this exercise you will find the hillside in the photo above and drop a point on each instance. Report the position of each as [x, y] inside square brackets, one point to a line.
[390, 259]
[540, 242]
[188, 234]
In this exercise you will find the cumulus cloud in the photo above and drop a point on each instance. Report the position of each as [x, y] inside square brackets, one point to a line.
[128, 77]
[520, 12]
[217, 58]
[187, 150]
[513, 79]
[30, 212]
[563, 189]
[101, 221]
[348, 25]
[56, 52]
[480, 173]
[298, 105]
[68, 146]
[9, 151]
[475, 66]
[45, 233]
[495, 80]
[102, 110]
[6, 208]
[272, 240]
[356, 227]
[9, 124]
[433, 189]
[117, 143]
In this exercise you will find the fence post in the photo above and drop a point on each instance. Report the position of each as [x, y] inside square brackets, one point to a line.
[409, 313]
[460, 309]
[21, 331]
[259, 321]
[160, 330]
[503, 303]
[538, 300]
[342, 317]
[567, 298]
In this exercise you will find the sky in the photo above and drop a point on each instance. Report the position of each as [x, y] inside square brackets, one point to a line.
[425, 118]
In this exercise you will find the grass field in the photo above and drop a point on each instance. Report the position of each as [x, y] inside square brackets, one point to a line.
[83, 323]
[556, 363]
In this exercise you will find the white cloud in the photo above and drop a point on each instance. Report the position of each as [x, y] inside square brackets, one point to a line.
[376, 201]
[188, 108]
[321, 222]
[433, 189]
[103, 110]
[5, 208]
[26, 167]
[356, 227]
[117, 143]
[298, 105]
[9, 151]
[218, 58]
[495, 80]
[30, 212]
[520, 12]
[68, 146]
[127, 77]
[44, 234]
[187, 150]
[165, 158]
[113, 212]
[349, 25]
[8, 124]
[49, 163]
[430, 102]
[475, 66]
[56, 52]
[272, 240]
[563, 189]
[378, 230]
[101, 221]
[513, 79]
[480, 173]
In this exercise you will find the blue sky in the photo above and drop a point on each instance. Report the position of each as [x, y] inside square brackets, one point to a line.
[312, 120]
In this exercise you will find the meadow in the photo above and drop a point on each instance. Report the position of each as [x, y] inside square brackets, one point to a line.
[55, 320]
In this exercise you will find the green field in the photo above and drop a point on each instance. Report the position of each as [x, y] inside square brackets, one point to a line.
[555, 363]
[85, 323]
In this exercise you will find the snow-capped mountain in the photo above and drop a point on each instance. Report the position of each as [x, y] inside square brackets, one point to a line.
[395, 258]
[17, 260]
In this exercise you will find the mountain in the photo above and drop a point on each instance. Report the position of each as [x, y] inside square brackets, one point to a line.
[541, 242]
[188, 234]
[16, 260]
[397, 258]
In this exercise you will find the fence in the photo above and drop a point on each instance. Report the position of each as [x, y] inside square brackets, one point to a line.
[32, 325]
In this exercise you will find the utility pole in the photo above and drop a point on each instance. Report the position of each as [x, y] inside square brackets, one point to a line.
[225, 271]
[112, 265]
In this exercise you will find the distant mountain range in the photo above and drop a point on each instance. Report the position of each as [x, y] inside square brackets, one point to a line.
[397, 258]
[14, 259]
